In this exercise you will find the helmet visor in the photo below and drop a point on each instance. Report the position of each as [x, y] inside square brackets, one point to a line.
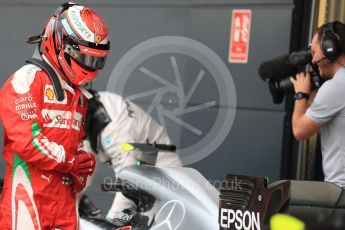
[91, 58]
[84, 59]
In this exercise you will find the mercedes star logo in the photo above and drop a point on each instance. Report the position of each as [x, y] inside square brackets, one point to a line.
[170, 216]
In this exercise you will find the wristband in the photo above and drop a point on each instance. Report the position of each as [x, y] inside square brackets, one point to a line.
[300, 95]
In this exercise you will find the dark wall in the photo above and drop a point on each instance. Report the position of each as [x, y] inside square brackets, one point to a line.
[253, 145]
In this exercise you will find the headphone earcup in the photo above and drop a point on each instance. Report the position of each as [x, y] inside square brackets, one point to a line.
[330, 49]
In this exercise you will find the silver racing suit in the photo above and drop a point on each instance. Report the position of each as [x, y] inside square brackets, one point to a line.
[129, 123]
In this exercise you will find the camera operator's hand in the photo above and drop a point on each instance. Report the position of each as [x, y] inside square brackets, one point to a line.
[302, 83]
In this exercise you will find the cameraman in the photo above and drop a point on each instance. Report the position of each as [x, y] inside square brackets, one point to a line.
[327, 110]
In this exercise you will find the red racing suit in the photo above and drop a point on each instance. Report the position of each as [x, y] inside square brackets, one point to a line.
[41, 137]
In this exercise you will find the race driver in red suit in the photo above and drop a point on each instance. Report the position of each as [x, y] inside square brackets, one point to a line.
[46, 165]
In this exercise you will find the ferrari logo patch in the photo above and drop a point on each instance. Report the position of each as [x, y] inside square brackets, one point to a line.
[97, 39]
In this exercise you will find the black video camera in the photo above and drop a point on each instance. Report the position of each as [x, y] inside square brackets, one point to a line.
[277, 73]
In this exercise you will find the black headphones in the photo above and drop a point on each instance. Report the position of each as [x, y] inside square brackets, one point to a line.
[330, 42]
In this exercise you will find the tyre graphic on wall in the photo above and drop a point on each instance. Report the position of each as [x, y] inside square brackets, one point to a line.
[185, 87]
